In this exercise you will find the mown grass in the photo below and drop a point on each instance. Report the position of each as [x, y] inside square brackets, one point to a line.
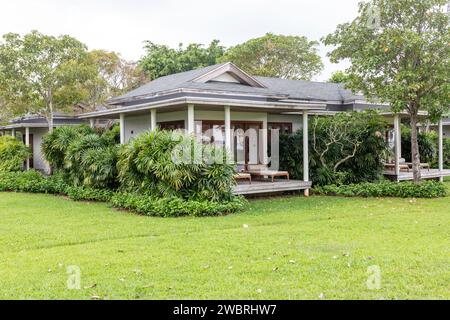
[280, 248]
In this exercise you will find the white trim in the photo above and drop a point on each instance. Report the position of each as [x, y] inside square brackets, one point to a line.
[201, 101]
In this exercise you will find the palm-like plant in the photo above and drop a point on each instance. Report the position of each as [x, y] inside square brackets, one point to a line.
[153, 163]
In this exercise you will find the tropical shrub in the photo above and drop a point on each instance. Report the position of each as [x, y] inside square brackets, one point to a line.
[345, 148]
[85, 156]
[30, 181]
[56, 143]
[13, 154]
[146, 165]
[175, 206]
[426, 189]
[89, 194]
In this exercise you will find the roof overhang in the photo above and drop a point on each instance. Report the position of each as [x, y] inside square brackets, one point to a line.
[247, 104]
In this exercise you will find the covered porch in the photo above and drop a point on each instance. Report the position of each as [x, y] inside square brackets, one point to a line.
[196, 117]
[398, 169]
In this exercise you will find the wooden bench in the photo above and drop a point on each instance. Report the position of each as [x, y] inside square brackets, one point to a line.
[243, 176]
[263, 171]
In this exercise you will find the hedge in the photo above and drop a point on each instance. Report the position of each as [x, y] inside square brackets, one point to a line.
[426, 189]
[35, 182]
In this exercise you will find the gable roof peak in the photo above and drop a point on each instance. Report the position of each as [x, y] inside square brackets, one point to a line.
[230, 69]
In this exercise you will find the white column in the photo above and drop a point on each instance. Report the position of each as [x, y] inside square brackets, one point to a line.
[122, 128]
[228, 128]
[265, 142]
[398, 145]
[153, 121]
[92, 123]
[27, 143]
[13, 133]
[305, 150]
[191, 119]
[441, 149]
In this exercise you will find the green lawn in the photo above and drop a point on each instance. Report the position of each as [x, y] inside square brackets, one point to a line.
[293, 248]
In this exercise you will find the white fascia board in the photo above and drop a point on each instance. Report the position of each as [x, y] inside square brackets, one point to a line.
[202, 101]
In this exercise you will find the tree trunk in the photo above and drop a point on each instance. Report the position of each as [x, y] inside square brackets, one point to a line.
[415, 153]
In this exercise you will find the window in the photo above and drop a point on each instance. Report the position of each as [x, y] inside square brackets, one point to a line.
[172, 125]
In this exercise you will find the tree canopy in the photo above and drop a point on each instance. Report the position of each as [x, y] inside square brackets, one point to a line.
[339, 77]
[161, 60]
[42, 74]
[115, 76]
[288, 57]
[399, 50]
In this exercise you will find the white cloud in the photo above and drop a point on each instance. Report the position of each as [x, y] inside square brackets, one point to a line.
[122, 26]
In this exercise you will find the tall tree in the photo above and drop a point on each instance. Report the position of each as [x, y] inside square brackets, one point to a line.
[115, 76]
[43, 74]
[289, 57]
[399, 50]
[161, 60]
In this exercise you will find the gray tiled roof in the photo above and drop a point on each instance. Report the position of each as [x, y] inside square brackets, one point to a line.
[295, 89]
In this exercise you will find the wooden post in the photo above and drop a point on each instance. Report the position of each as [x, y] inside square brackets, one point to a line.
[305, 150]
[191, 119]
[441, 149]
[13, 132]
[122, 128]
[92, 123]
[27, 143]
[153, 123]
[398, 145]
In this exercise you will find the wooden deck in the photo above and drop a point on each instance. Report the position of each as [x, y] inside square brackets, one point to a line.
[407, 176]
[267, 187]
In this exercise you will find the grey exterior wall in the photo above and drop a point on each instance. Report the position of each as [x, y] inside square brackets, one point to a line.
[38, 160]
[447, 132]
[134, 125]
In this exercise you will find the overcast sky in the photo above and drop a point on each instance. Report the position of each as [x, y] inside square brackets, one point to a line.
[123, 25]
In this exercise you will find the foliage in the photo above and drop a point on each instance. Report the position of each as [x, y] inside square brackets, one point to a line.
[42, 74]
[346, 148]
[115, 77]
[399, 53]
[146, 164]
[426, 189]
[86, 157]
[30, 181]
[339, 77]
[56, 143]
[427, 145]
[89, 194]
[13, 153]
[91, 161]
[160, 60]
[288, 57]
[175, 206]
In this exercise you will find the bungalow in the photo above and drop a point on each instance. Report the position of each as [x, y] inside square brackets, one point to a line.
[225, 98]
[32, 129]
